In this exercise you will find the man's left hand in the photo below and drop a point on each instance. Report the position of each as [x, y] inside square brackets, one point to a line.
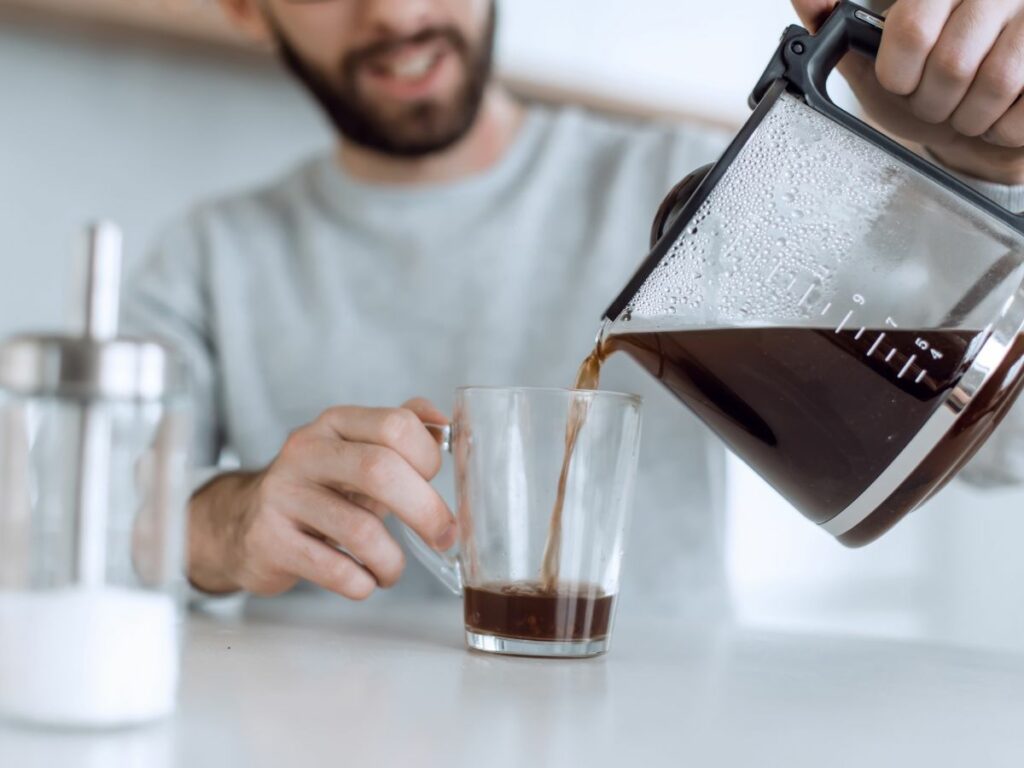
[949, 76]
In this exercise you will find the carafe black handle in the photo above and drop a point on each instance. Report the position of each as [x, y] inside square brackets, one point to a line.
[805, 61]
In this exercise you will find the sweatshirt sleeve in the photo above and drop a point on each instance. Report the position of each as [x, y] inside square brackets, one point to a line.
[166, 297]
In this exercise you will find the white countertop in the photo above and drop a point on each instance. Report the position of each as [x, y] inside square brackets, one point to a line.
[295, 683]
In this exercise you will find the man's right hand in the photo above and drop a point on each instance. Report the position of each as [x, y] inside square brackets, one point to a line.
[327, 490]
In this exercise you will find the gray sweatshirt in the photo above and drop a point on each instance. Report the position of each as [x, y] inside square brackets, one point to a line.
[319, 290]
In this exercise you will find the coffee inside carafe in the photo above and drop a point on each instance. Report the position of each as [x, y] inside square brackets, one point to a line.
[819, 413]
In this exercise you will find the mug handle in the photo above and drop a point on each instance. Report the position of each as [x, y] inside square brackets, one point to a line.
[444, 566]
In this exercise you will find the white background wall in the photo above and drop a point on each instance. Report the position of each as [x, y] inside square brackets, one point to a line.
[103, 124]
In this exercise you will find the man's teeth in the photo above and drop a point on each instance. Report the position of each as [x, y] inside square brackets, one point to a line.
[413, 67]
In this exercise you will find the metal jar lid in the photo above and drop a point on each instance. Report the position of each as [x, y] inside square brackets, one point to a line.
[97, 365]
[63, 366]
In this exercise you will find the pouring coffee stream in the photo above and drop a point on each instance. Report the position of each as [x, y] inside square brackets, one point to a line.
[587, 378]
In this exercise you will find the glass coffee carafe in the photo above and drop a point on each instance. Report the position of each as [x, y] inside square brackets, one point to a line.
[842, 313]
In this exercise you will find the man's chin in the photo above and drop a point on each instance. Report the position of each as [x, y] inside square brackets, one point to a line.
[412, 146]
[420, 131]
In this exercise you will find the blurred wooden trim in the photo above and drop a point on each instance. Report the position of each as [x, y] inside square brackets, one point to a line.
[200, 21]
[546, 92]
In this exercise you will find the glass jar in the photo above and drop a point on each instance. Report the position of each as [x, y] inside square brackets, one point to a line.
[93, 483]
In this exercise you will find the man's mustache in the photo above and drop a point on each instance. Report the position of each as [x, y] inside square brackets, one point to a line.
[367, 54]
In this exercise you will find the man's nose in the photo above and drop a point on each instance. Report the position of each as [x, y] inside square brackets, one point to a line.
[398, 18]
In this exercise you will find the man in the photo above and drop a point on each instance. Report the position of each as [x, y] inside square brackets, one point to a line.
[457, 236]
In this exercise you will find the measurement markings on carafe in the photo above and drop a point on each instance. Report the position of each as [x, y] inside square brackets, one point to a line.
[877, 343]
[901, 363]
[802, 282]
[844, 321]
[906, 367]
[902, 355]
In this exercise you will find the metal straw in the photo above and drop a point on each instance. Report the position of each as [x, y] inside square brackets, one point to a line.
[101, 290]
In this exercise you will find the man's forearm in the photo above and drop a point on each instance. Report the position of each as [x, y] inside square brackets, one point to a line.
[213, 527]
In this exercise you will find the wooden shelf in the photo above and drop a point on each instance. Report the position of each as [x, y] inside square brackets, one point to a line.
[196, 19]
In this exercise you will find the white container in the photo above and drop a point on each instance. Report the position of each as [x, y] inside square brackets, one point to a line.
[102, 657]
[93, 471]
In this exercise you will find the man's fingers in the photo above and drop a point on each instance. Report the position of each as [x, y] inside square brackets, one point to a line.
[1009, 130]
[315, 561]
[427, 412]
[954, 62]
[997, 86]
[358, 531]
[813, 13]
[368, 503]
[912, 29]
[383, 475]
[399, 429]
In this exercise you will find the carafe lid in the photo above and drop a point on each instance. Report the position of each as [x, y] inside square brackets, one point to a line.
[95, 364]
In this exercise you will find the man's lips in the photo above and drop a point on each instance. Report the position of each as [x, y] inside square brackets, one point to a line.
[411, 71]
[410, 63]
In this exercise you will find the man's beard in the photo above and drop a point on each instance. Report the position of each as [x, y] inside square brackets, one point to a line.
[423, 128]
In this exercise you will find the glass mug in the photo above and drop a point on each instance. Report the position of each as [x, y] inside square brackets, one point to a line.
[531, 585]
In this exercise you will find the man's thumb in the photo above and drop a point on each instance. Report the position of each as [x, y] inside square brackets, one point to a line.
[813, 13]
[426, 410]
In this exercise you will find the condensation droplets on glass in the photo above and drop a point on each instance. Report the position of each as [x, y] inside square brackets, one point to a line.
[770, 239]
